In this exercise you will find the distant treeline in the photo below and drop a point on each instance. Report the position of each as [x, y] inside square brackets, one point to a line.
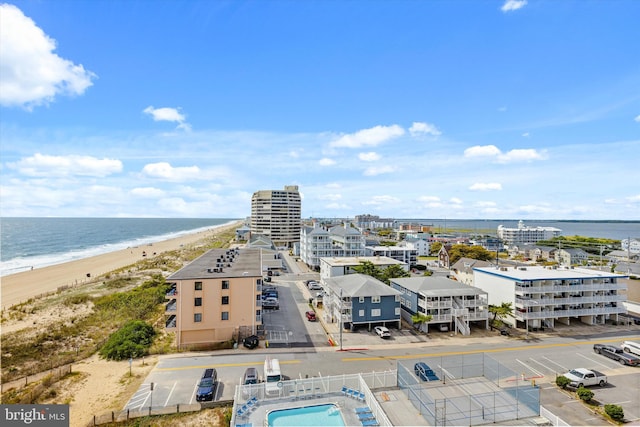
[591, 245]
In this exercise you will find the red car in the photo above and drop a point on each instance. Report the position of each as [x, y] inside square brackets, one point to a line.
[311, 316]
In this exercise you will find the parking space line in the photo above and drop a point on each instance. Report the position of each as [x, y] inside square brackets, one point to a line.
[595, 361]
[563, 368]
[195, 389]
[544, 366]
[530, 368]
[166, 403]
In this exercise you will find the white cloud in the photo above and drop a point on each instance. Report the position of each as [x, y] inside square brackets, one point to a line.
[369, 157]
[164, 170]
[635, 198]
[485, 204]
[526, 134]
[517, 155]
[455, 201]
[535, 209]
[167, 114]
[488, 186]
[482, 151]
[332, 197]
[40, 165]
[511, 5]
[326, 162]
[382, 200]
[147, 192]
[368, 137]
[421, 128]
[378, 170]
[637, 119]
[32, 74]
[522, 155]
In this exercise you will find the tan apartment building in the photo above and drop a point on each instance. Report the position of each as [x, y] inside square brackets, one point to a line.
[276, 214]
[216, 297]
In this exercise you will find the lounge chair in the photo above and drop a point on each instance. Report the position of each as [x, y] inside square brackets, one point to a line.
[359, 396]
[344, 390]
[365, 416]
[363, 410]
[368, 423]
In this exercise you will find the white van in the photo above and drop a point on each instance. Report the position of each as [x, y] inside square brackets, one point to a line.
[631, 347]
[272, 376]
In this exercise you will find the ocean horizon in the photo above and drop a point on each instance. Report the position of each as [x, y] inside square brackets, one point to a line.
[39, 242]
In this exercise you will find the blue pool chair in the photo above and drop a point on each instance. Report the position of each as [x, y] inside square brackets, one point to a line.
[368, 423]
[363, 410]
[365, 416]
[344, 390]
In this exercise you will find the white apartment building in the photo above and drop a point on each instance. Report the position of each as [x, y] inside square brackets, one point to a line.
[526, 235]
[339, 241]
[341, 266]
[542, 296]
[276, 214]
[403, 254]
[421, 246]
[631, 245]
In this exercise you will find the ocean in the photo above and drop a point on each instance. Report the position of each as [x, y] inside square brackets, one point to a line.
[40, 242]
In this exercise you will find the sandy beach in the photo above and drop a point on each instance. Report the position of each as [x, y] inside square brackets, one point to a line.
[19, 287]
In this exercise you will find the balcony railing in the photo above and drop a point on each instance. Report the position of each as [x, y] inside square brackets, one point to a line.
[536, 302]
[572, 288]
[437, 304]
[568, 313]
[171, 322]
[171, 306]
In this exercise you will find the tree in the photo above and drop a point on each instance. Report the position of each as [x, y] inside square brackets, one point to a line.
[419, 319]
[435, 247]
[614, 411]
[367, 267]
[392, 272]
[501, 311]
[473, 252]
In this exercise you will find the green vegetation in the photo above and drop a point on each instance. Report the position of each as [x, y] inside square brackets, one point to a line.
[500, 312]
[473, 252]
[384, 275]
[614, 411]
[584, 394]
[131, 340]
[419, 319]
[591, 245]
[562, 381]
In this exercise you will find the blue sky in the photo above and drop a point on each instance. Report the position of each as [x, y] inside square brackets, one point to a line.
[407, 109]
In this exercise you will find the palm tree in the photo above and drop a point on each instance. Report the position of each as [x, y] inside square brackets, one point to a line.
[419, 318]
[501, 311]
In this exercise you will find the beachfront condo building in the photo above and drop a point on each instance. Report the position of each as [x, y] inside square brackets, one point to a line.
[276, 214]
[542, 296]
[523, 234]
[215, 298]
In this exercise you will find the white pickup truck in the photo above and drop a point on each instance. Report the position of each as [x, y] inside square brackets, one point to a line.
[581, 377]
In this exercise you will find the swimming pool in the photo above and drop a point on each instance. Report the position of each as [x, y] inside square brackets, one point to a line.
[317, 415]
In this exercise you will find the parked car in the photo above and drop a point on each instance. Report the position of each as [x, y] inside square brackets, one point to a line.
[581, 377]
[270, 304]
[424, 372]
[207, 385]
[444, 327]
[251, 342]
[631, 347]
[315, 286]
[249, 379]
[382, 331]
[267, 278]
[616, 353]
[270, 294]
[311, 316]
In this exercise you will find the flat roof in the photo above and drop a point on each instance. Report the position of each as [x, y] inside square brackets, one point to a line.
[437, 286]
[547, 273]
[375, 260]
[227, 262]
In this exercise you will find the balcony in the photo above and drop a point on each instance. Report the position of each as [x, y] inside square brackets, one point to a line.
[566, 288]
[171, 322]
[546, 314]
[171, 307]
[437, 304]
[536, 302]
[172, 293]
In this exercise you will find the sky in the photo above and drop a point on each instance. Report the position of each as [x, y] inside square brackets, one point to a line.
[469, 109]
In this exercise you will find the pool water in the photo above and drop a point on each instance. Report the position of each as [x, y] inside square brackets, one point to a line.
[318, 415]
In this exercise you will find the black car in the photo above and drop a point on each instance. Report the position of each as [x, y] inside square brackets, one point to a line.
[207, 385]
[616, 353]
[251, 342]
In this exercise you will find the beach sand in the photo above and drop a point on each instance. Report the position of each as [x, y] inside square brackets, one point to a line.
[19, 287]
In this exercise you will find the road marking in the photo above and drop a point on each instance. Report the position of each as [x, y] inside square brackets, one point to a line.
[166, 403]
[544, 366]
[530, 368]
[489, 350]
[563, 368]
[594, 361]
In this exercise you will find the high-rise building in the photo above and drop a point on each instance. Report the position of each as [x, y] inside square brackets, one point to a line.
[276, 214]
[526, 235]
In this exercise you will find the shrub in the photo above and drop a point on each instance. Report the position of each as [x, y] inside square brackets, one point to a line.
[562, 381]
[614, 411]
[132, 340]
[584, 394]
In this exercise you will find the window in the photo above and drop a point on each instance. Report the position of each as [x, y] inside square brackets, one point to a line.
[197, 317]
[225, 300]
[361, 313]
[375, 299]
[375, 312]
[397, 298]
[225, 315]
[225, 284]
[197, 301]
[198, 286]
[361, 299]
[397, 311]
